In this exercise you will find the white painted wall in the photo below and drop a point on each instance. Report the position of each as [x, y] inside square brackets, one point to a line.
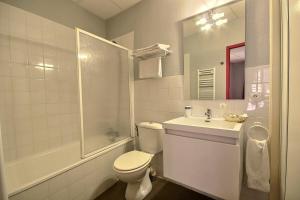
[126, 40]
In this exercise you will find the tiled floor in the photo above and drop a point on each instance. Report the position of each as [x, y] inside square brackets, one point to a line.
[162, 190]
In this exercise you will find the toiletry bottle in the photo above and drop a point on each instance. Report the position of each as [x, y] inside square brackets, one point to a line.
[223, 109]
[188, 111]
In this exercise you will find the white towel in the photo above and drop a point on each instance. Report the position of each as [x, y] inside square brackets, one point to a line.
[150, 68]
[152, 47]
[257, 165]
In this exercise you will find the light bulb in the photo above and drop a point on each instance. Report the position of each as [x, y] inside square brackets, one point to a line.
[221, 21]
[201, 21]
[48, 65]
[206, 27]
[83, 56]
[217, 16]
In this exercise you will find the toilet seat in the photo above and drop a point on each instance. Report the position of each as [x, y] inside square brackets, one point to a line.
[132, 161]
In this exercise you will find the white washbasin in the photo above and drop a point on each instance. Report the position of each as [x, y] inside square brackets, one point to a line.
[216, 126]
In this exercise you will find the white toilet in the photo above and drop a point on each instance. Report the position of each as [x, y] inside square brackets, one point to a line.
[133, 167]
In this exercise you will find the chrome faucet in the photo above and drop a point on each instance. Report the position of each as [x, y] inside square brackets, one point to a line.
[208, 115]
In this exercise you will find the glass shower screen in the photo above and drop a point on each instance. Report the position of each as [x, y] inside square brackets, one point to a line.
[104, 93]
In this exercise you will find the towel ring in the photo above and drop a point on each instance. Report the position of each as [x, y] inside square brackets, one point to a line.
[258, 132]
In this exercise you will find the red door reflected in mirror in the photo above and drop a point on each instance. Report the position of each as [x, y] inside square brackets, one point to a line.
[235, 71]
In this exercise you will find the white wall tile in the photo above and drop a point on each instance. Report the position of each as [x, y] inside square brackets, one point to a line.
[37, 72]
[21, 98]
[38, 97]
[24, 151]
[17, 19]
[4, 48]
[34, 27]
[176, 93]
[5, 68]
[4, 53]
[38, 110]
[19, 70]
[169, 91]
[48, 32]
[22, 111]
[5, 84]
[4, 19]
[51, 74]
[35, 53]
[19, 51]
[20, 84]
[52, 97]
[37, 85]
[39, 143]
[32, 87]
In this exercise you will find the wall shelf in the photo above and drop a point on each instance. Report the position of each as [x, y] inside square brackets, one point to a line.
[156, 50]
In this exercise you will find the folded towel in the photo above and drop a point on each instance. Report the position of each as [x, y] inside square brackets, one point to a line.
[151, 48]
[257, 165]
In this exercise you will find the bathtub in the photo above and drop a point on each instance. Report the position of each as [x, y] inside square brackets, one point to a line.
[33, 177]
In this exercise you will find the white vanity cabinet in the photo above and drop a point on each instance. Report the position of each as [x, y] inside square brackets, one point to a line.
[206, 156]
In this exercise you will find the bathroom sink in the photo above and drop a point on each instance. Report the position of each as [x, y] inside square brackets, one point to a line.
[216, 126]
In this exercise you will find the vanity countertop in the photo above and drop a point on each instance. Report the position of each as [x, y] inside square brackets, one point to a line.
[216, 126]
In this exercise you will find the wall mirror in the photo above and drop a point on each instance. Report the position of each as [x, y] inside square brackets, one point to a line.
[214, 53]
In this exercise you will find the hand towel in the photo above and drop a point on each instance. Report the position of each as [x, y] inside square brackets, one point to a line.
[257, 165]
[150, 68]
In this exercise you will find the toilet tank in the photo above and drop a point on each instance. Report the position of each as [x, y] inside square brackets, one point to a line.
[150, 137]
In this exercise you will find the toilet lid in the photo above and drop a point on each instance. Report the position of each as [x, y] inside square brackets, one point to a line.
[131, 160]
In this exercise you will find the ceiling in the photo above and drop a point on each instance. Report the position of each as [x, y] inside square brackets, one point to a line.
[106, 9]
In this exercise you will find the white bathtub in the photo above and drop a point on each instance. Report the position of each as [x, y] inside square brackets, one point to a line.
[28, 173]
